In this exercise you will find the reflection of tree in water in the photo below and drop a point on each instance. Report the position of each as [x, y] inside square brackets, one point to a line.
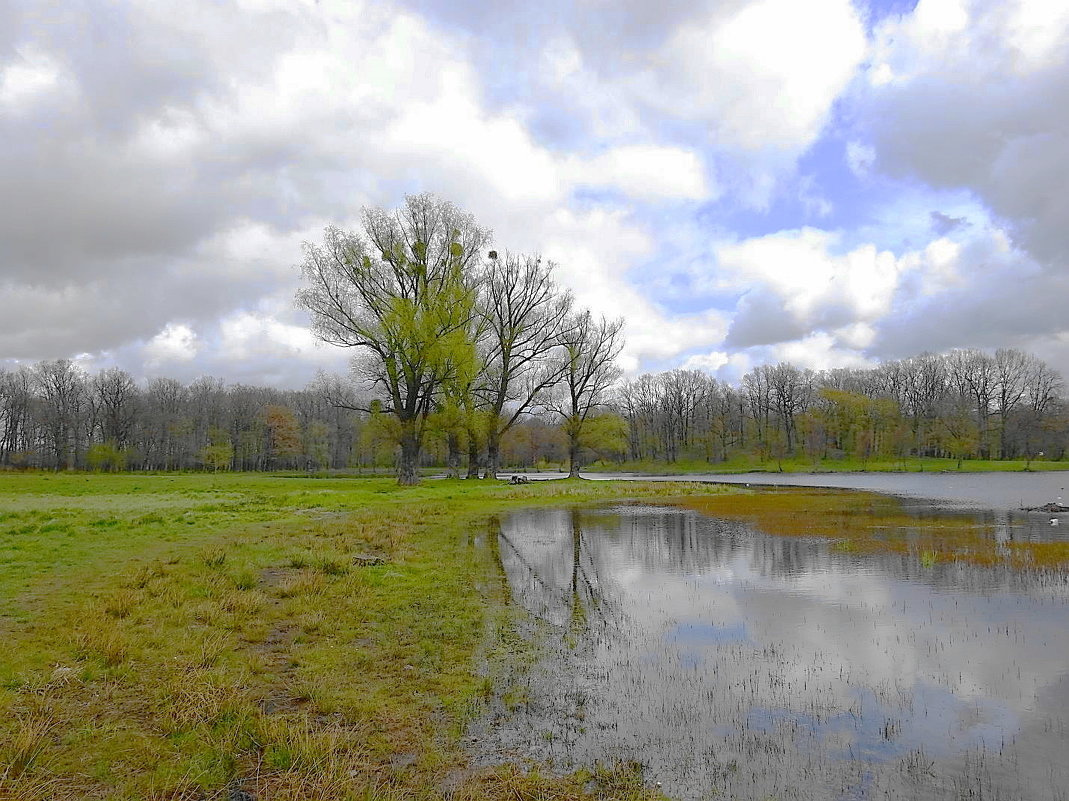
[657, 539]
[574, 598]
[565, 582]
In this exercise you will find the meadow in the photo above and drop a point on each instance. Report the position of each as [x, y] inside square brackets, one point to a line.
[250, 636]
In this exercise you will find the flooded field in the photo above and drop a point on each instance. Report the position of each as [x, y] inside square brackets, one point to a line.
[800, 644]
[1002, 491]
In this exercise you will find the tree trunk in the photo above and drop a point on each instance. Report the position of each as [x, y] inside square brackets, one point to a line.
[573, 459]
[493, 456]
[407, 468]
[473, 457]
[452, 459]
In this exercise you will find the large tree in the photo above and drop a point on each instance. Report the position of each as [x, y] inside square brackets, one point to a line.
[403, 292]
[526, 316]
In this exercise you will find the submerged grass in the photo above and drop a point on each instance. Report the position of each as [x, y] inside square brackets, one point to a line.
[203, 637]
[864, 522]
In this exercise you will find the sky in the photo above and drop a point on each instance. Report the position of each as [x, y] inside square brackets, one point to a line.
[831, 183]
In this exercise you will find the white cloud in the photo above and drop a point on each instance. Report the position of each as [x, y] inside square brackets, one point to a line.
[818, 351]
[812, 285]
[1037, 31]
[937, 266]
[763, 76]
[646, 172]
[197, 168]
[246, 335]
[725, 365]
[31, 74]
[807, 300]
[174, 343]
[347, 106]
[708, 362]
[945, 36]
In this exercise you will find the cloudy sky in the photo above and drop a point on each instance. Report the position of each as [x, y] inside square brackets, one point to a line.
[830, 182]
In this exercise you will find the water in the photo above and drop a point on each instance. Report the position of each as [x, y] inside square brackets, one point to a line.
[1002, 491]
[735, 663]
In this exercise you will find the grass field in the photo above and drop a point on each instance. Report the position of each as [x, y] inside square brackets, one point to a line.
[260, 637]
[746, 464]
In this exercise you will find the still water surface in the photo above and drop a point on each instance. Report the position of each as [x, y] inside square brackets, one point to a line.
[733, 663]
[1002, 491]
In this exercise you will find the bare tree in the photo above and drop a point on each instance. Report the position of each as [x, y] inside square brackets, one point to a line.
[1012, 370]
[924, 387]
[1043, 388]
[791, 392]
[972, 375]
[758, 391]
[166, 411]
[590, 370]
[61, 387]
[403, 294]
[16, 422]
[115, 397]
[525, 315]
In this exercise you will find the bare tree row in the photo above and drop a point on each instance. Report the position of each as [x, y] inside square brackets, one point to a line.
[55, 415]
[962, 404]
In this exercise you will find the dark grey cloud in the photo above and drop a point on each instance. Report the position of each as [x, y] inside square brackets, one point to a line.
[91, 314]
[761, 319]
[943, 224]
[1015, 311]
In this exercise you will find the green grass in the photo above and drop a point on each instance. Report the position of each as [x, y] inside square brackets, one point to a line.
[746, 464]
[179, 636]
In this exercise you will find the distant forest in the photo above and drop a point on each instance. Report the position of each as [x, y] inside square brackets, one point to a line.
[963, 404]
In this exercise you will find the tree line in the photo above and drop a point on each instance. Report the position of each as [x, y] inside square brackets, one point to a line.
[963, 404]
[55, 415]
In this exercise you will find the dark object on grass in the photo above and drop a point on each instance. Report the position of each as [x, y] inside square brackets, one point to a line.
[367, 560]
[519, 480]
[237, 794]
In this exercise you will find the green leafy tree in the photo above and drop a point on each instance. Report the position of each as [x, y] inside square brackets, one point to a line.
[106, 456]
[605, 434]
[379, 436]
[403, 294]
[960, 436]
[218, 454]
